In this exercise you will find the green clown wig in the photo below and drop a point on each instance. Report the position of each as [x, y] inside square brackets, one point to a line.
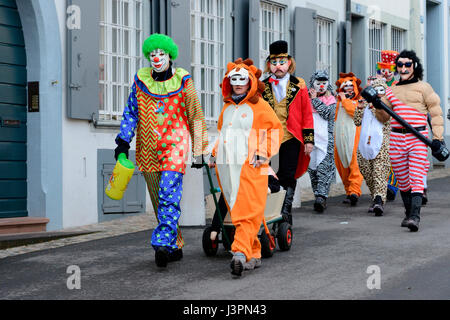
[160, 41]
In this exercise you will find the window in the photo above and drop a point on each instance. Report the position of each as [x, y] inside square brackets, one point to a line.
[376, 44]
[121, 38]
[208, 53]
[324, 44]
[398, 39]
[272, 28]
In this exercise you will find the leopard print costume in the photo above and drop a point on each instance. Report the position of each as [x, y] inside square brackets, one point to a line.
[376, 171]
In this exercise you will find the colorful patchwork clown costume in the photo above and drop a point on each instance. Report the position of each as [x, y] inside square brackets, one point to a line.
[321, 167]
[289, 98]
[249, 135]
[386, 70]
[346, 136]
[373, 150]
[165, 111]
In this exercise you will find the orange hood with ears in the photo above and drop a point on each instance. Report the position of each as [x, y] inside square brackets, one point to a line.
[256, 86]
[344, 77]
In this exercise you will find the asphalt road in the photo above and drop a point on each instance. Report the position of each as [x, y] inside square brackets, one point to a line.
[329, 259]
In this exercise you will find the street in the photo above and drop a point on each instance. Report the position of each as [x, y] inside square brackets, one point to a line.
[334, 255]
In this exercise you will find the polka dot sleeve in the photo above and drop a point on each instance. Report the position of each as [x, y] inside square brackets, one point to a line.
[129, 118]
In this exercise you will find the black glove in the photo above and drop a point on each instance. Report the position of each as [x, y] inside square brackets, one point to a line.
[122, 147]
[436, 144]
[198, 163]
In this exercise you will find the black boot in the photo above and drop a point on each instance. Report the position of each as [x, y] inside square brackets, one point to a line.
[320, 204]
[424, 197]
[353, 199]
[287, 205]
[414, 218]
[406, 197]
[378, 206]
[176, 255]
[161, 257]
[390, 195]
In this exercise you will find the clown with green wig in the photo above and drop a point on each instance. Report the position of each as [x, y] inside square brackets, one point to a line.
[164, 110]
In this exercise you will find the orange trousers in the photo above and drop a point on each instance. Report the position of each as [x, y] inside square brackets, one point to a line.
[351, 176]
[247, 213]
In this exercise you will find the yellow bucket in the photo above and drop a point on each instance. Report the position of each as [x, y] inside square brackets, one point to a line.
[121, 176]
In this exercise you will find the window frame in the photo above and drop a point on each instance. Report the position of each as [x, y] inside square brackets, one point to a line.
[375, 52]
[398, 37]
[212, 65]
[112, 102]
[282, 34]
[330, 50]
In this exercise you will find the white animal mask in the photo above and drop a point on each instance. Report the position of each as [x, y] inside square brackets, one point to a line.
[238, 78]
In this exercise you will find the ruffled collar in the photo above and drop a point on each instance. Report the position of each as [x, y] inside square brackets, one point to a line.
[161, 89]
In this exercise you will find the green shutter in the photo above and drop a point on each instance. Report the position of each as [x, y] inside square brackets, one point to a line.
[13, 113]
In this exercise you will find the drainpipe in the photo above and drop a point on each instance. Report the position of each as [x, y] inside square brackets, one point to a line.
[348, 35]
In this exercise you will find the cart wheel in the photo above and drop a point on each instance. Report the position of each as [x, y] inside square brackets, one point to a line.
[284, 236]
[230, 233]
[267, 249]
[210, 247]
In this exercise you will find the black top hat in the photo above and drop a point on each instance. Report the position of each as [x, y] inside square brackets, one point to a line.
[278, 47]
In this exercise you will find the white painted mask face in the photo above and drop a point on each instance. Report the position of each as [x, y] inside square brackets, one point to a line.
[159, 60]
[238, 78]
[347, 86]
[320, 86]
[380, 90]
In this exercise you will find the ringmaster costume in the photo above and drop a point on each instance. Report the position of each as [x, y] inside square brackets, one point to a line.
[289, 97]
[165, 111]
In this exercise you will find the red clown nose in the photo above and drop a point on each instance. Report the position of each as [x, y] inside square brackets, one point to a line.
[156, 59]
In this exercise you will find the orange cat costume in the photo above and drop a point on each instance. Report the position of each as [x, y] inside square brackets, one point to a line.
[246, 130]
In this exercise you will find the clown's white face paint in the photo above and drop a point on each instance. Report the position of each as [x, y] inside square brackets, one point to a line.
[238, 78]
[159, 60]
[320, 86]
[348, 89]
[387, 74]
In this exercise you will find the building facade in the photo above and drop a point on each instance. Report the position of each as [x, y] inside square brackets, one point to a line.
[66, 67]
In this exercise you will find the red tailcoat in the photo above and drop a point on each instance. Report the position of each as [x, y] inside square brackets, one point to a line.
[299, 121]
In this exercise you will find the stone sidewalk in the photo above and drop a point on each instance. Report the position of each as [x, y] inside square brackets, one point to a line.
[148, 221]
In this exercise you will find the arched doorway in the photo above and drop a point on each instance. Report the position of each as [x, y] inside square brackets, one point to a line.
[13, 113]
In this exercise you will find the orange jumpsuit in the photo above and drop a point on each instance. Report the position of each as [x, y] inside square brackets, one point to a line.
[246, 129]
[346, 137]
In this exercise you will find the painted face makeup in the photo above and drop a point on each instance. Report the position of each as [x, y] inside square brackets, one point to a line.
[279, 66]
[159, 60]
[320, 86]
[387, 74]
[380, 90]
[347, 88]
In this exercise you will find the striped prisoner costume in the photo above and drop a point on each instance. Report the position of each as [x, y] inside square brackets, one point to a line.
[408, 154]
